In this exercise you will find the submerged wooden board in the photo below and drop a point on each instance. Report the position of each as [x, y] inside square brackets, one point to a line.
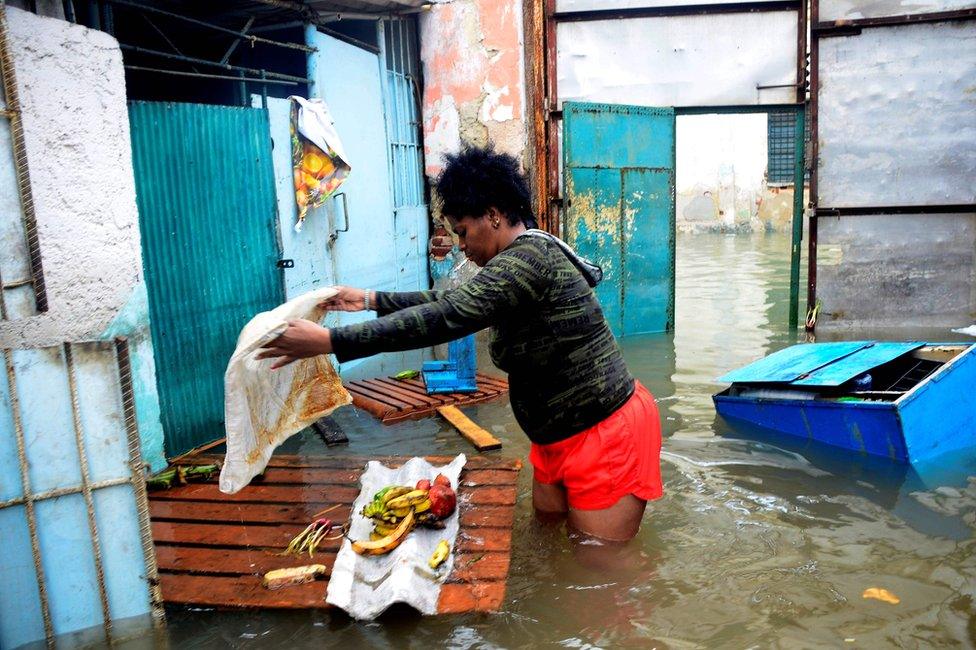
[394, 400]
[481, 439]
[212, 549]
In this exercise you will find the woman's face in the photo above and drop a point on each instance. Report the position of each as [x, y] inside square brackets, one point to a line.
[476, 237]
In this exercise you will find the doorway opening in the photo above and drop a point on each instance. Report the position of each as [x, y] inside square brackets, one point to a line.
[734, 221]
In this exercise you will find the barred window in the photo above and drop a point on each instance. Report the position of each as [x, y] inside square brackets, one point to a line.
[780, 131]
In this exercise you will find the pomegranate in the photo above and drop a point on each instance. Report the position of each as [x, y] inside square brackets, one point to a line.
[442, 500]
[440, 479]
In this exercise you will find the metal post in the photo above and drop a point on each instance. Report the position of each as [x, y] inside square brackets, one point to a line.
[137, 468]
[798, 174]
[311, 62]
[86, 490]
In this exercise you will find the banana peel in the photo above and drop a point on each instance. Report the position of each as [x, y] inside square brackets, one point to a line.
[386, 544]
[440, 554]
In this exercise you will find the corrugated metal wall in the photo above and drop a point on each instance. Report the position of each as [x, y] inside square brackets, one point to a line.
[207, 214]
[619, 166]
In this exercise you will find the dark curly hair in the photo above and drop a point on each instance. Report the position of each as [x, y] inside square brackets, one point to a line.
[478, 178]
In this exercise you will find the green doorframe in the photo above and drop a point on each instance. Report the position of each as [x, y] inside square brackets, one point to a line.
[799, 155]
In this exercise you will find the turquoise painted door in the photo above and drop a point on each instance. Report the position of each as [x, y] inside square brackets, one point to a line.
[207, 215]
[618, 165]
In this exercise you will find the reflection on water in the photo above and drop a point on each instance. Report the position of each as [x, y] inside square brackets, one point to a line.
[756, 543]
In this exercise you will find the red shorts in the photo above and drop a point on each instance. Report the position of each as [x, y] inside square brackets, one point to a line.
[619, 456]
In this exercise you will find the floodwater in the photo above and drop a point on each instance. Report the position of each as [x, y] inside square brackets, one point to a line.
[756, 543]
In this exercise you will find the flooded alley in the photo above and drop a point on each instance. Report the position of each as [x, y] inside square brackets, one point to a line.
[756, 543]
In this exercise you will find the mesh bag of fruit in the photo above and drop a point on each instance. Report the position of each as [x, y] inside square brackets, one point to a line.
[318, 159]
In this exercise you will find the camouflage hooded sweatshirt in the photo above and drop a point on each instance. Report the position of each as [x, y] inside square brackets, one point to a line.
[548, 333]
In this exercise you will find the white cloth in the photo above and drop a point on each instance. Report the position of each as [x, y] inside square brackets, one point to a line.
[263, 407]
[365, 585]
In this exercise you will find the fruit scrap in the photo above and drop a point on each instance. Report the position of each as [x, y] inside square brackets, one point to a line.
[877, 593]
[180, 475]
[313, 535]
[440, 554]
[298, 575]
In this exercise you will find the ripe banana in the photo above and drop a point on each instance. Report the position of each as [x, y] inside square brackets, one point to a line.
[393, 493]
[423, 506]
[388, 543]
[398, 513]
[407, 500]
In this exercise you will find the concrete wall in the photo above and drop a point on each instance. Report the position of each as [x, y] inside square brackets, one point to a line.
[472, 57]
[896, 125]
[76, 129]
[908, 270]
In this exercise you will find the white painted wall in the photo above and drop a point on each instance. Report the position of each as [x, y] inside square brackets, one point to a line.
[711, 60]
[76, 129]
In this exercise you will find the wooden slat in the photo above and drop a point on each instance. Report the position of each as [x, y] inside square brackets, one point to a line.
[278, 536]
[468, 567]
[481, 439]
[359, 462]
[246, 591]
[298, 514]
[396, 400]
[488, 495]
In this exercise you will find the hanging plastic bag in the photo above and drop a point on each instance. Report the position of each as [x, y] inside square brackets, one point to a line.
[263, 407]
[318, 159]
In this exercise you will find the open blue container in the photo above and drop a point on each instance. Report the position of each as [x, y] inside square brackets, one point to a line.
[906, 401]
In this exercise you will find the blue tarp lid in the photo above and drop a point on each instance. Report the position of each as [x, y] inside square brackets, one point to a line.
[820, 364]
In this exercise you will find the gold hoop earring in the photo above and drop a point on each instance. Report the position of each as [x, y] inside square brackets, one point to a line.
[495, 224]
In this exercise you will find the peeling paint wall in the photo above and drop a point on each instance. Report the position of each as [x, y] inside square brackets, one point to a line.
[76, 130]
[472, 57]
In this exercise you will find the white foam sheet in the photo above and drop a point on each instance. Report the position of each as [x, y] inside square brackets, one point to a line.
[366, 585]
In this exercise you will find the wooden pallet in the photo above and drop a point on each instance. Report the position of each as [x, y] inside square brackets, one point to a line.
[212, 548]
[394, 400]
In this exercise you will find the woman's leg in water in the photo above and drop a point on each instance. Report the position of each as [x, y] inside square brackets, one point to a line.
[549, 501]
[618, 523]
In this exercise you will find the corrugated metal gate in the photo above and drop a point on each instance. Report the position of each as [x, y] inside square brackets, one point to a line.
[207, 214]
[619, 186]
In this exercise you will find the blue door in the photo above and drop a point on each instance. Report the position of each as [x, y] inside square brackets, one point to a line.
[618, 165]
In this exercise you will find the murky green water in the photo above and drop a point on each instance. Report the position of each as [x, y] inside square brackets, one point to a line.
[753, 545]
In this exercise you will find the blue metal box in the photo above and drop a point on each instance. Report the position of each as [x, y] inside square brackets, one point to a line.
[907, 401]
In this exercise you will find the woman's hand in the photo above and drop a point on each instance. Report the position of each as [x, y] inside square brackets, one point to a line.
[348, 299]
[302, 339]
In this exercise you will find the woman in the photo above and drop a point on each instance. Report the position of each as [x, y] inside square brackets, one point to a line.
[595, 432]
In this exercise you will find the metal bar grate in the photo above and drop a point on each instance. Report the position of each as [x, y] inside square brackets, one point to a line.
[403, 124]
[12, 113]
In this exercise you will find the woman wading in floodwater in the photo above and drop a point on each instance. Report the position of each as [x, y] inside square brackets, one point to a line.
[595, 431]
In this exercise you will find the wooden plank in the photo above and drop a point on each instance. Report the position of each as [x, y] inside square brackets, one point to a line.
[390, 395]
[359, 462]
[371, 406]
[481, 439]
[239, 591]
[403, 390]
[488, 495]
[246, 591]
[460, 598]
[468, 567]
[346, 477]
[379, 396]
[278, 536]
[299, 514]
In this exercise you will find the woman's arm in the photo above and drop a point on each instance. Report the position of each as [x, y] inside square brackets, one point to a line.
[382, 302]
[514, 280]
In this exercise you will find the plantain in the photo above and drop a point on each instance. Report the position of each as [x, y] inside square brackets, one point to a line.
[407, 500]
[388, 543]
[423, 506]
[440, 554]
[398, 513]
